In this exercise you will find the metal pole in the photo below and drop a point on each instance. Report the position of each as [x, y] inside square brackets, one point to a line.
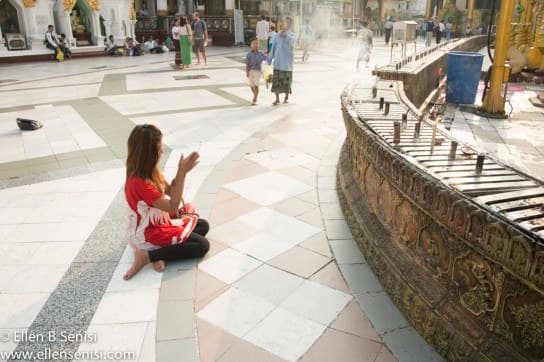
[493, 101]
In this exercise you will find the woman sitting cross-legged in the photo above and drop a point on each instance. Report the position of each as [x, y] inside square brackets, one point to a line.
[157, 238]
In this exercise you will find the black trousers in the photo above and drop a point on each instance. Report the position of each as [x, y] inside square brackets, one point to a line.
[387, 35]
[196, 246]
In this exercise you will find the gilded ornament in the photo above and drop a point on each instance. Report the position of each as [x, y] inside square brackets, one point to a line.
[94, 4]
[29, 3]
[69, 5]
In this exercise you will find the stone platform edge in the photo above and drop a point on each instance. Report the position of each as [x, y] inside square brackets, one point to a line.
[469, 283]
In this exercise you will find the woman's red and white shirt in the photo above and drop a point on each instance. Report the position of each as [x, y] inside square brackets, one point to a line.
[149, 227]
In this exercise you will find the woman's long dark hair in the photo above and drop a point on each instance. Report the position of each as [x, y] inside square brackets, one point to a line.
[144, 153]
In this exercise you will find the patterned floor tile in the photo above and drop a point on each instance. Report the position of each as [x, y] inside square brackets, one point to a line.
[316, 302]
[290, 261]
[338, 346]
[285, 334]
[236, 312]
[229, 265]
[268, 188]
[281, 158]
[269, 283]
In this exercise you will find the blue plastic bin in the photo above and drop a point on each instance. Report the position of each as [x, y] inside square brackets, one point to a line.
[464, 70]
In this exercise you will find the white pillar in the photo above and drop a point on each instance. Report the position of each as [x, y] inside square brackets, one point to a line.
[133, 28]
[98, 37]
[229, 4]
[32, 32]
[162, 6]
[117, 26]
[181, 7]
[107, 25]
[67, 22]
[2, 46]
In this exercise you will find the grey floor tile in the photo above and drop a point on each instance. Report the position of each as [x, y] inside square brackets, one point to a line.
[178, 350]
[360, 278]
[337, 229]
[381, 311]
[408, 346]
[178, 285]
[346, 251]
[175, 320]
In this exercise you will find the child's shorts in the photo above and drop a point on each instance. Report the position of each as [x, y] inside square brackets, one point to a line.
[254, 78]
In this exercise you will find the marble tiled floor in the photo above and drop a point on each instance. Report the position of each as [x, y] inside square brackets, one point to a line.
[516, 141]
[283, 279]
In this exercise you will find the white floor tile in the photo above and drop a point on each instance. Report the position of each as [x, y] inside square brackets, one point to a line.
[231, 232]
[235, 311]
[54, 252]
[229, 265]
[20, 310]
[281, 158]
[285, 334]
[316, 302]
[147, 278]
[8, 343]
[268, 188]
[269, 283]
[164, 101]
[147, 353]
[127, 307]
[288, 228]
[35, 278]
[127, 337]
[263, 246]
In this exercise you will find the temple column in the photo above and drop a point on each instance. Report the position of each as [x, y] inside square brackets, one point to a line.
[494, 101]
[229, 7]
[133, 27]
[470, 13]
[2, 45]
[33, 34]
[429, 9]
[107, 25]
[162, 7]
[382, 10]
[67, 23]
[98, 37]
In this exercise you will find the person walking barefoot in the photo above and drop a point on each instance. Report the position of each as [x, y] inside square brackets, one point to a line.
[283, 55]
[254, 60]
[158, 229]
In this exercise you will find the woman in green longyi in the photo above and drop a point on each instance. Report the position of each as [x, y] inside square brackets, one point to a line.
[185, 39]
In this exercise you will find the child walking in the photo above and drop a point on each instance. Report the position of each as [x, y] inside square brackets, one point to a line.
[152, 233]
[254, 61]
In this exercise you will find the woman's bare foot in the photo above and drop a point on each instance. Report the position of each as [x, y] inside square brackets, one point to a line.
[159, 266]
[141, 258]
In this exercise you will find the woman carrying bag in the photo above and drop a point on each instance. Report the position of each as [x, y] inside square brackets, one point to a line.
[186, 37]
[176, 42]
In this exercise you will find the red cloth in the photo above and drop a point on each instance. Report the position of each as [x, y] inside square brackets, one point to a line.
[150, 227]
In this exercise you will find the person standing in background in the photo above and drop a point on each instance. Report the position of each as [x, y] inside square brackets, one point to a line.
[365, 39]
[176, 43]
[305, 37]
[200, 38]
[429, 29]
[388, 28]
[440, 29]
[261, 31]
[449, 27]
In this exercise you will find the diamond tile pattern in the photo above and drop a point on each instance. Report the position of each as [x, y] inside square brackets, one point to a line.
[268, 188]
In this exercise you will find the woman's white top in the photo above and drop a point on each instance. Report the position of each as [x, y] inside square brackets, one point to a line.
[175, 32]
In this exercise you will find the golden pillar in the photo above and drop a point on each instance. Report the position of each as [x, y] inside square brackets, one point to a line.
[429, 9]
[470, 14]
[382, 10]
[494, 101]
